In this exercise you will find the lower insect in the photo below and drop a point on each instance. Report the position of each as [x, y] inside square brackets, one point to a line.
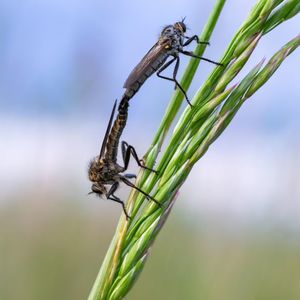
[104, 171]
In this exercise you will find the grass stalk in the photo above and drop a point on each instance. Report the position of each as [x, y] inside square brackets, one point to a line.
[215, 105]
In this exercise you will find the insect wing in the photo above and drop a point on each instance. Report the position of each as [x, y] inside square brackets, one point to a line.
[144, 64]
[104, 142]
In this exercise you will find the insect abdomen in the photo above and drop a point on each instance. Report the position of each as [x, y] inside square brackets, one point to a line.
[152, 68]
[116, 132]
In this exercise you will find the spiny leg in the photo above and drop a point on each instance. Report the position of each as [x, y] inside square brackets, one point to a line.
[126, 151]
[110, 195]
[116, 199]
[138, 189]
[189, 53]
[193, 38]
[174, 76]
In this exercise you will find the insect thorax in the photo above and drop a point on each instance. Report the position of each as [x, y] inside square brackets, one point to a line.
[172, 36]
[103, 171]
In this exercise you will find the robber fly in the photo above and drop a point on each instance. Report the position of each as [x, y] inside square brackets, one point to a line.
[171, 42]
[104, 169]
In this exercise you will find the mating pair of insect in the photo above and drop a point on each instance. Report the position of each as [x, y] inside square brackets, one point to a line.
[104, 170]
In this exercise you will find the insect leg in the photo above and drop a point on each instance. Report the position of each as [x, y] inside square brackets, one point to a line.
[110, 195]
[189, 53]
[174, 76]
[126, 151]
[129, 176]
[175, 71]
[138, 189]
[193, 38]
[124, 146]
[164, 67]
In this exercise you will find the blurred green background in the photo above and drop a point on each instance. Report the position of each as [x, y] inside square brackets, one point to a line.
[234, 231]
[55, 253]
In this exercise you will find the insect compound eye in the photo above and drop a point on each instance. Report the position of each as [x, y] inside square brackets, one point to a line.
[97, 189]
[180, 26]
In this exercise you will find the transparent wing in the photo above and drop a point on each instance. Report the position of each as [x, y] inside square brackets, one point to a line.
[144, 64]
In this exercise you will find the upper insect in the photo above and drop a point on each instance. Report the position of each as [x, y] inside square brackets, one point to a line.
[171, 43]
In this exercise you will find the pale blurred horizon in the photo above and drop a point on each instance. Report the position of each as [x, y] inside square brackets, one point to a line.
[252, 178]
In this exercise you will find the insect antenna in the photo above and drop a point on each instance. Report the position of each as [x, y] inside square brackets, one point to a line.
[107, 131]
[182, 20]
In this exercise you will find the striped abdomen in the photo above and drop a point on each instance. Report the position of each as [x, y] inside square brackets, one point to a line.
[116, 132]
[142, 72]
